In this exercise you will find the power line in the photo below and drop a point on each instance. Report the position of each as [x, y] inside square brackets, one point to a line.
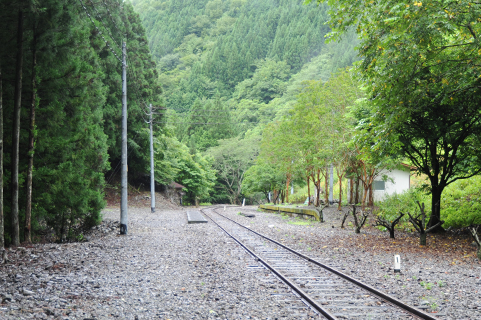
[111, 18]
[105, 27]
[100, 32]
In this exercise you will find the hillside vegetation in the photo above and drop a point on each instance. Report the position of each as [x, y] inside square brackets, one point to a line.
[60, 90]
[230, 67]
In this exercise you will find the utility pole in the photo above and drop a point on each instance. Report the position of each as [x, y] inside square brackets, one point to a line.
[123, 201]
[152, 180]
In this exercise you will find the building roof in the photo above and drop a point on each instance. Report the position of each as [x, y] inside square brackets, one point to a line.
[410, 167]
[176, 185]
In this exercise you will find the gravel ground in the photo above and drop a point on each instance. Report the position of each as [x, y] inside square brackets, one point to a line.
[168, 269]
[450, 289]
[163, 269]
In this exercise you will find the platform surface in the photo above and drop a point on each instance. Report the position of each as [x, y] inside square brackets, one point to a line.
[194, 216]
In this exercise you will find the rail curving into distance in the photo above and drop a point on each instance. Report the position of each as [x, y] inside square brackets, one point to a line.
[357, 293]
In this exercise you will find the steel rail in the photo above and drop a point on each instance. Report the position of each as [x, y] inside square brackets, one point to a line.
[294, 287]
[419, 313]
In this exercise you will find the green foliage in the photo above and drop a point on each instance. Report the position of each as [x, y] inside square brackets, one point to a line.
[78, 97]
[404, 202]
[209, 121]
[232, 159]
[174, 162]
[461, 205]
[268, 82]
[427, 285]
[247, 50]
[197, 175]
[392, 205]
[262, 178]
[230, 67]
[421, 67]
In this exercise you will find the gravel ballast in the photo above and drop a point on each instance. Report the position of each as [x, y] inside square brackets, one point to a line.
[449, 288]
[166, 268]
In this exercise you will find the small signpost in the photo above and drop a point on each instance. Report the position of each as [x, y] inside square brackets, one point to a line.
[397, 264]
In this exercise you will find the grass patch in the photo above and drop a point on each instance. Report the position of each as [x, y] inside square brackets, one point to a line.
[300, 223]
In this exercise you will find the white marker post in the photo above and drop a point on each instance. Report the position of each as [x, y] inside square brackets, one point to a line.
[244, 202]
[397, 264]
[224, 208]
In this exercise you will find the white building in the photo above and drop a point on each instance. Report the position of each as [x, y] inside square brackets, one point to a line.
[399, 180]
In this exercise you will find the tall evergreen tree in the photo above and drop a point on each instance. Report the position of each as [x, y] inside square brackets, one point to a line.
[16, 131]
[2, 223]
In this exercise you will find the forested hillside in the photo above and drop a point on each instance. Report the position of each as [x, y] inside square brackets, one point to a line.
[229, 67]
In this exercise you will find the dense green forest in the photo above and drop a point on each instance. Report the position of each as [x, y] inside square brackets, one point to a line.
[228, 68]
[254, 87]
[61, 111]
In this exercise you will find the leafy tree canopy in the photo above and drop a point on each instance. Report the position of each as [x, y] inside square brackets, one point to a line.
[421, 65]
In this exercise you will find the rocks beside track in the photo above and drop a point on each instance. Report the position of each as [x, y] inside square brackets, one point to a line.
[449, 286]
[163, 269]
[166, 268]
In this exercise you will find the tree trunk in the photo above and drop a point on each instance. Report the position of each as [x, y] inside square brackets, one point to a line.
[339, 206]
[351, 191]
[2, 223]
[478, 253]
[371, 196]
[317, 182]
[435, 209]
[326, 186]
[31, 138]
[364, 196]
[356, 200]
[308, 192]
[422, 239]
[288, 178]
[391, 233]
[16, 131]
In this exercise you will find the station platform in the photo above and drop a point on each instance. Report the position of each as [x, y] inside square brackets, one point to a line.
[194, 216]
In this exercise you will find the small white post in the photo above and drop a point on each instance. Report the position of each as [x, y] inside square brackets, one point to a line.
[397, 263]
[244, 202]
[224, 208]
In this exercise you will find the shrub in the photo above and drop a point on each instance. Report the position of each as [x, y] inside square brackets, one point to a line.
[461, 204]
[390, 208]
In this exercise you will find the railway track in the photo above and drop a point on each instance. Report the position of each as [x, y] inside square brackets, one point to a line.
[326, 290]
